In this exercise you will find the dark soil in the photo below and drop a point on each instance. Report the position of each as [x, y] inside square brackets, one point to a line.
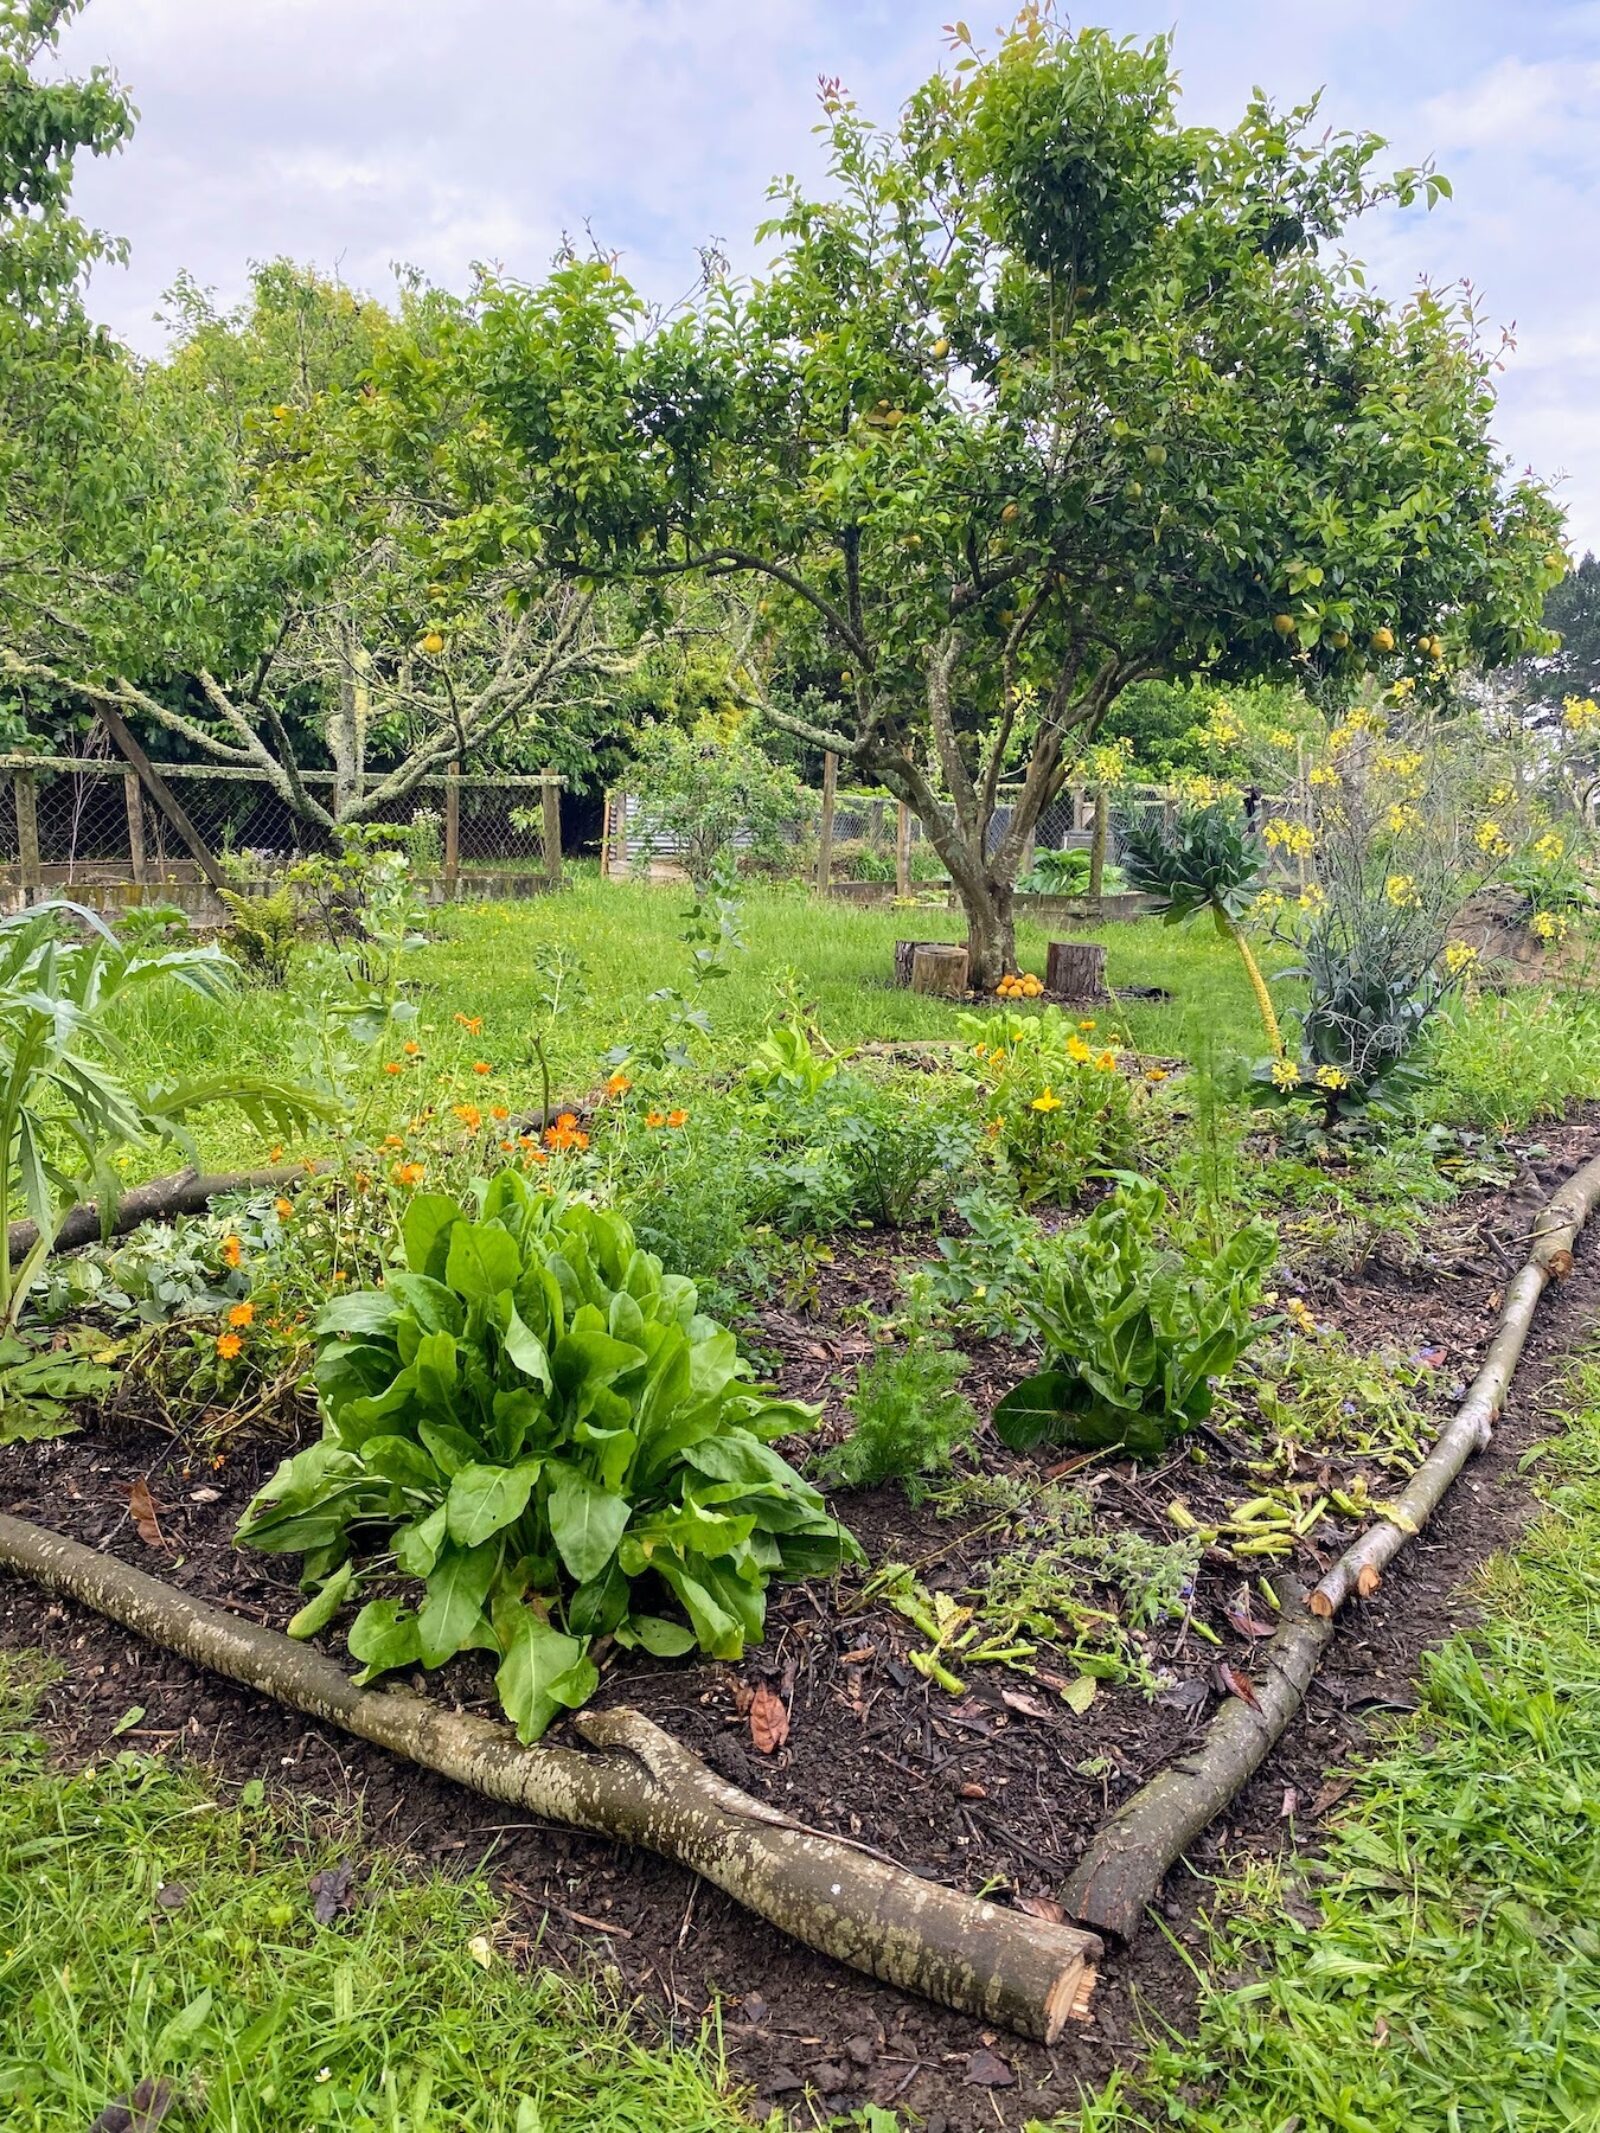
[999, 1788]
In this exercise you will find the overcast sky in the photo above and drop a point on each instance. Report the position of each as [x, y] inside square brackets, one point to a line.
[357, 133]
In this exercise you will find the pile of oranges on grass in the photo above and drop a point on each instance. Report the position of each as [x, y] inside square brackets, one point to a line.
[1014, 987]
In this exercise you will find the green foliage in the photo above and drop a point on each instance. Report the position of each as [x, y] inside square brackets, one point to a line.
[560, 1445]
[139, 1951]
[868, 1153]
[1057, 874]
[981, 1279]
[1134, 1331]
[41, 1387]
[1055, 1103]
[1206, 860]
[715, 796]
[907, 1416]
[1503, 1060]
[1321, 1397]
[263, 934]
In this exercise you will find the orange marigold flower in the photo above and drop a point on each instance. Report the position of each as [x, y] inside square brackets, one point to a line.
[619, 1084]
[566, 1133]
[241, 1314]
[677, 1118]
[339, 1274]
[392, 1066]
[409, 1173]
[393, 1140]
[275, 1152]
[231, 1249]
[228, 1346]
[655, 1118]
[282, 1208]
[469, 1114]
[506, 1147]
[535, 1155]
[411, 1048]
[481, 1066]
[498, 1111]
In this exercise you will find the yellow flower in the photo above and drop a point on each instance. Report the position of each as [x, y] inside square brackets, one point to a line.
[228, 1346]
[282, 1208]
[1551, 925]
[1549, 847]
[241, 1314]
[1312, 897]
[1285, 1074]
[1492, 841]
[1404, 816]
[1459, 956]
[411, 1048]
[408, 1173]
[1048, 1100]
[1332, 1077]
[618, 1084]
[231, 1249]
[1280, 737]
[1090, 1024]
[1106, 1063]
[1077, 1050]
[469, 1114]
[1285, 836]
[1403, 893]
[1581, 714]
[1322, 775]
[1156, 1074]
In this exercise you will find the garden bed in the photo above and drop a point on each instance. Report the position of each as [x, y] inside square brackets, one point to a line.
[998, 1788]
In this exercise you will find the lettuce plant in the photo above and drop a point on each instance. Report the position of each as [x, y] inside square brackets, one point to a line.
[537, 1423]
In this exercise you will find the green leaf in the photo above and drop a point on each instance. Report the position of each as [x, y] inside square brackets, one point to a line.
[425, 1231]
[416, 1547]
[527, 1351]
[484, 1500]
[458, 1586]
[435, 1308]
[385, 1635]
[1031, 1412]
[482, 1260]
[653, 1633]
[362, 1311]
[586, 1521]
[319, 1612]
[452, 1448]
[538, 1673]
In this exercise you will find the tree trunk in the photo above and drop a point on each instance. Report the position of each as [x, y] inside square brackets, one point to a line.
[991, 931]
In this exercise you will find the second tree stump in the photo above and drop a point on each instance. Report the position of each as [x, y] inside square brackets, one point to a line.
[936, 968]
[1075, 970]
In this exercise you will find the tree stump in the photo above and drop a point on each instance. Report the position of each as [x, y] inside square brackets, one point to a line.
[1075, 970]
[905, 955]
[938, 968]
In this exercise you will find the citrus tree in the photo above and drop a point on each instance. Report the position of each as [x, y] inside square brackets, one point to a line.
[1047, 395]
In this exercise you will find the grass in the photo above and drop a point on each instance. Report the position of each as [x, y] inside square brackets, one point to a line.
[486, 963]
[411, 2013]
[1446, 1975]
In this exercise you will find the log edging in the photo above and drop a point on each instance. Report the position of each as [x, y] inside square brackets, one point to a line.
[1121, 1872]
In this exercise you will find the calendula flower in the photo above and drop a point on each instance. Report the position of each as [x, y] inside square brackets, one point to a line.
[470, 1023]
[339, 1274]
[469, 1114]
[1402, 891]
[393, 1140]
[618, 1084]
[1332, 1077]
[1285, 1074]
[393, 1066]
[275, 1152]
[1155, 1074]
[506, 1147]
[411, 1048]
[409, 1173]
[655, 1118]
[232, 1250]
[481, 1066]
[241, 1314]
[228, 1346]
[534, 1155]
[566, 1133]
[1077, 1051]
[1046, 1100]
[677, 1118]
[1090, 1024]
[282, 1208]
[498, 1111]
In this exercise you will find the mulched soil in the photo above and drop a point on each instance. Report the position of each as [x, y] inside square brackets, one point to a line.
[976, 1791]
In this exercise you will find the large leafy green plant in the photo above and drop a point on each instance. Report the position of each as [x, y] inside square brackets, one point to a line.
[1135, 1331]
[537, 1422]
[1204, 860]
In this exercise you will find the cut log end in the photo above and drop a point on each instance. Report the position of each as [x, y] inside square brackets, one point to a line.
[1068, 2000]
[1559, 1265]
[939, 970]
[1321, 1606]
[1075, 970]
[1368, 1579]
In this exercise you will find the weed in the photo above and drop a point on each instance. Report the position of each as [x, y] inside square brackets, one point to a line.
[907, 1417]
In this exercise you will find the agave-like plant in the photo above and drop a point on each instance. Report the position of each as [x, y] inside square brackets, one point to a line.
[1205, 860]
[69, 1096]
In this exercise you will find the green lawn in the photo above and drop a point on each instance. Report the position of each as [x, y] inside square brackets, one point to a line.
[157, 1927]
[485, 962]
[1447, 1977]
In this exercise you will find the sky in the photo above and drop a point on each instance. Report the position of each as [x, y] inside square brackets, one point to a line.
[354, 134]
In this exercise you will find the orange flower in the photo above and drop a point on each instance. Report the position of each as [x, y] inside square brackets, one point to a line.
[535, 1155]
[393, 1140]
[241, 1314]
[506, 1147]
[469, 1114]
[566, 1133]
[481, 1066]
[231, 1249]
[228, 1346]
[392, 1066]
[282, 1208]
[411, 1048]
[498, 1111]
[470, 1023]
[362, 1179]
[655, 1118]
[409, 1173]
[619, 1084]
[339, 1274]
[275, 1152]
[677, 1118]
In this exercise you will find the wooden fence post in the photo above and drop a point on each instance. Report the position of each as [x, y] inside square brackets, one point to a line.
[605, 837]
[27, 801]
[452, 830]
[1097, 845]
[134, 802]
[902, 851]
[830, 781]
[550, 798]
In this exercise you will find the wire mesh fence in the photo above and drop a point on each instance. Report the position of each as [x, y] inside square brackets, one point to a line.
[80, 822]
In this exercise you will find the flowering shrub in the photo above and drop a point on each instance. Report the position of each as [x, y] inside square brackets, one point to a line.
[1055, 1104]
[559, 1447]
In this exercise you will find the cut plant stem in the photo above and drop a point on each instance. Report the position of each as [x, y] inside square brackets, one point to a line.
[1231, 930]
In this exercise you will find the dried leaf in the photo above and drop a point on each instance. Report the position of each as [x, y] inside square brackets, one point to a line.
[142, 1510]
[987, 2070]
[1246, 1623]
[330, 1891]
[1044, 1907]
[1331, 1794]
[1184, 1695]
[769, 1721]
[1029, 1706]
[860, 1656]
[140, 2112]
[1236, 1684]
[1291, 1803]
[1079, 1694]
[973, 1791]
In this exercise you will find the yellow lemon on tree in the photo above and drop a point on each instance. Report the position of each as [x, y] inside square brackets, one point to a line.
[1008, 514]
[433, 643]
[1382, 639]
[1285, 625]
[941, 348]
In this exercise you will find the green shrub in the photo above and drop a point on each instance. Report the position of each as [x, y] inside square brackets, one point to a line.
[1057, 874]
[1135, 1332]
[873, 1154]
[1056, 1105]
[906, 1418]
[262, 936]
[560, 1447]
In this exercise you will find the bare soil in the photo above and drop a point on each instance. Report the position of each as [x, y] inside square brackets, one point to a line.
[1000, 1788]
